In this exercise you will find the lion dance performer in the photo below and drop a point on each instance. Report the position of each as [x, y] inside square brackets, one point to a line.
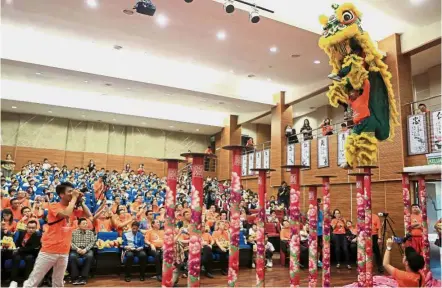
[360, 79]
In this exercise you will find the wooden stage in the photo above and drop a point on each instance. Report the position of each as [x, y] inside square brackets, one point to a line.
[275, 277]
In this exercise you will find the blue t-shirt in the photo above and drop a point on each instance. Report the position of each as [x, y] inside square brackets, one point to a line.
[320, 219]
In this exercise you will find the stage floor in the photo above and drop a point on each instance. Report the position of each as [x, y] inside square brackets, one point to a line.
[275, 277]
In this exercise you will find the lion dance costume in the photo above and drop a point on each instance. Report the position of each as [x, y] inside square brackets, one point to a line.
[360, 79]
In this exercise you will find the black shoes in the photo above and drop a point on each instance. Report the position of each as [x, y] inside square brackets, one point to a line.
[209, 275]
[127, 279]
[79, 281]
[141, 277]
[224, 272]
[159, 278]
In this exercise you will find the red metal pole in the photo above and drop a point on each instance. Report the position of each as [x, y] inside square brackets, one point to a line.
[169, 225]
[194, 263]
[313, 237]
[425, 242]
[294, 218]
[260, 253]
[235, 199]
[361, 229]
[407, 201]
[368, 229]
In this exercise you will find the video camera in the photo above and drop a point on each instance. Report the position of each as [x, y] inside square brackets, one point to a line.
[401, 240]
[383, 214]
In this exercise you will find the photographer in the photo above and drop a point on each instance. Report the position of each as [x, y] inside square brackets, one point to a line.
[413, 262]
[99, 188]
[56, 241]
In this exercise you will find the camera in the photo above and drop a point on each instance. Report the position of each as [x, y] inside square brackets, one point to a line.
[401, 240]
[145, 7]
[383, 214]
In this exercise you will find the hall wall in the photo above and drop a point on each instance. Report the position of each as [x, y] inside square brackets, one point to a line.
[79, 141]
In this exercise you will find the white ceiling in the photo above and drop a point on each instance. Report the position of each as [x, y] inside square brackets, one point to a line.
[426, 59]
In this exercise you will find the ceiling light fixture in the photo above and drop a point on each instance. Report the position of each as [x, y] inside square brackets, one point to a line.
[197, 129]
[144, 123]
[37, 73]
[49, 111]
[417, 2]
[221, 35]
[228, 6]
[85, 81]
[317, 62]
[114, 119]
[128, 88]
[162, 20]
[171, 125]
[8, 1]
[14, 107]
[92, 3]
[188, 1]
[254, 15]
[231, 71]
[84, 116]
[273, 49]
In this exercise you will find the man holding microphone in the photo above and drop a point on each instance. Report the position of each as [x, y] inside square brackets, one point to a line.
[56, 240]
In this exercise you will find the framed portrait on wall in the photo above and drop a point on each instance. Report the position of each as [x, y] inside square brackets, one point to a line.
[290, 155]
[266, 153]
[342, 137]
[305, 153]
[243, 164]
[251, 163]
[436, 131]
[417, 134]
[323, 160]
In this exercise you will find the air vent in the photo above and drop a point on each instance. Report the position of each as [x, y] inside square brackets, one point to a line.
[295, 56]
[251, 75]
[118, 47]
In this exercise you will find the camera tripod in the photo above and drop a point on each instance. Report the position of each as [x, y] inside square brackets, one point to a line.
[387, 221]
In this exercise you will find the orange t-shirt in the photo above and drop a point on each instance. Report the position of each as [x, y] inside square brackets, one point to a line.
[16, 214]
[11, 227]
[103, 225]
[339, 225]
[207, 238]
[285, 233]
[98, 186]
[155, 208]
[6, 202]
[155, 237]
[408, 279]
[375, 224]
[57, 237]
[415, 219]
[221, 236]
[119, 219]
[360, 105]
[326, 129]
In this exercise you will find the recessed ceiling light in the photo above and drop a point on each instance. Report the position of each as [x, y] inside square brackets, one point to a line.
[84, 116]
[168, 94]
[144, 123]
[114, 119]
[197, 129]
[317, 62]
[162, 20]
[49, 111]
[85, 81]
[221, 35]
[417, 2]
[37, 73]
[171, 126]
[128, 88]
[268, 79]
[273, 49]
[92, 3]
[14, 107]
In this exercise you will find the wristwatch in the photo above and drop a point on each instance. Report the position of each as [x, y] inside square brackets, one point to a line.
[389, 248]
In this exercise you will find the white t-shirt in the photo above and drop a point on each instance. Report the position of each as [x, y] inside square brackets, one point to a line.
[270, 247]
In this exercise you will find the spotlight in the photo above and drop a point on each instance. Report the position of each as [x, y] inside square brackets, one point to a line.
[228, 6]
[188, 1]
[145, 7]
[254, 16]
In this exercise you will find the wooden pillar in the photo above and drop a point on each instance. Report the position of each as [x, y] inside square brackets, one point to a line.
[230, 135]
[281, 117]
[399, 66]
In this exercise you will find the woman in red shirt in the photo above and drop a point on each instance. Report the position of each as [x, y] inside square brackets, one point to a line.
[327, 128]
[340, 240]
[9, 224]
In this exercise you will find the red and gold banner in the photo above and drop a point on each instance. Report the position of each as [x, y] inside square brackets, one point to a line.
[361, 257]
[326, 232]
[368, 224]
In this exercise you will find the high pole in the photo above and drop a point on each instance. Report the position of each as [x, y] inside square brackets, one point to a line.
[169, 221]
[260, 251]
[294, 219]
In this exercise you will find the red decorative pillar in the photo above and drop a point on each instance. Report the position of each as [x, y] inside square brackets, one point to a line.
[313, 236]
[368, 226]
[235, 199]
[169, 225]
[423, 204]
[294, 218]
[362, 237]
[407, 200]
[260, 253]
[194, 263]
[326, 230]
